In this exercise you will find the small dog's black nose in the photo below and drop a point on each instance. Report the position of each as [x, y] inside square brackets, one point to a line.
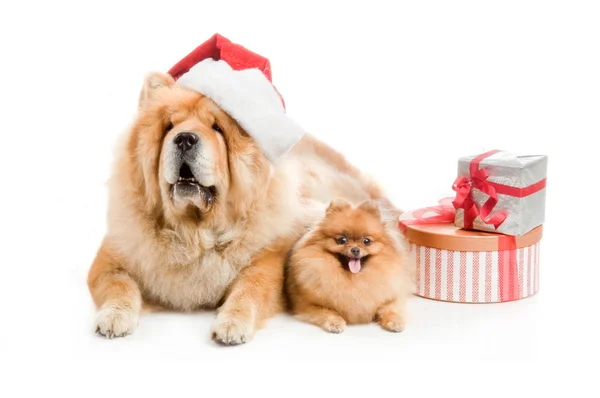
[355, 251]
[185, 141]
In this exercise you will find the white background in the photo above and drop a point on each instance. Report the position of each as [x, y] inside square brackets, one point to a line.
[402, 91]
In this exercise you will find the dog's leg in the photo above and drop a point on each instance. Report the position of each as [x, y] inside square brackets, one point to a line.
[255, 296]
[325, 318]
[116, 295]
[392, 316]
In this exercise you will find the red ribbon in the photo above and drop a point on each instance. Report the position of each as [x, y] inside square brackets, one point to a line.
[444, 214]
[508, 269]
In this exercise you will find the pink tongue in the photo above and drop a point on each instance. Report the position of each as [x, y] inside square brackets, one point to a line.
[354, 265]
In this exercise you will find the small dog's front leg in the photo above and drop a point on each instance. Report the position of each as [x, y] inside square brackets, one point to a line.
[327, 319]
[392, 316]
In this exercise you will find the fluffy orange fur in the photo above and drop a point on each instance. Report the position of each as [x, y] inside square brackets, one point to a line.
[322, 289]
[226, 253]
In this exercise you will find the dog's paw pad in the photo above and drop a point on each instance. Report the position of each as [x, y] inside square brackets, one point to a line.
[113, 321]
[231, 331]
[334, 325]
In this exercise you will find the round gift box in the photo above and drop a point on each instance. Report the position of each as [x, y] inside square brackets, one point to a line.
[468, 266]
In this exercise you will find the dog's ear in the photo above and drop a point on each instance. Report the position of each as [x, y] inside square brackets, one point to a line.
[154, 81]
[370, 207]
[338, 205]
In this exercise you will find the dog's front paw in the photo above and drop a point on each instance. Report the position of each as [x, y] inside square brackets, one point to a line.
[115, 321]
[392, 323]
[334, 324]
[230, 330]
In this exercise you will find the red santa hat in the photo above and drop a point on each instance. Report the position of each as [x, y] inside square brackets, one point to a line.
[239, 81]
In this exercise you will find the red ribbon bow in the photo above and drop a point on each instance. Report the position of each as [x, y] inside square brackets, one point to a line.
[477, 179]
[444, 214]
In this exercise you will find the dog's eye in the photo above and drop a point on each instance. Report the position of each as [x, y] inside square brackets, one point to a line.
[342, 240]
[168, 128]
[367, 241]
[216, 128]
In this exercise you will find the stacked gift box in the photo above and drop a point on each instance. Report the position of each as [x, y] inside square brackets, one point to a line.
[483, 245]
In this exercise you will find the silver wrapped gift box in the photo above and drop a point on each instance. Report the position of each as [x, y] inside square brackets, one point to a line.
[501, 192]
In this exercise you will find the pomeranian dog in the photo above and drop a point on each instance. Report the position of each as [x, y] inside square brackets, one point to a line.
[352, 267]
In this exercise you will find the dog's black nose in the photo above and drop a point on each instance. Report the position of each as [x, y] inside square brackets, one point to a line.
[185, 141]
[355, 251]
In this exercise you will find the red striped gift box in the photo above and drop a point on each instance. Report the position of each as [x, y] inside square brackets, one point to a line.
[467, 266]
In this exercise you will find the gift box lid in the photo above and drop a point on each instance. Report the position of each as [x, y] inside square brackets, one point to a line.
[509, 159]
[503, 167]
[422, 228]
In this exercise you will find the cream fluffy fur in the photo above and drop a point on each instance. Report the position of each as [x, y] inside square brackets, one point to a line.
[228, 255]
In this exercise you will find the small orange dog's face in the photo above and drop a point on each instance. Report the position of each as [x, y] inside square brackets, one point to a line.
[191, 153]
[353, 234]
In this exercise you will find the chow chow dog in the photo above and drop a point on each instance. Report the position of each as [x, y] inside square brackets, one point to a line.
[199, 218]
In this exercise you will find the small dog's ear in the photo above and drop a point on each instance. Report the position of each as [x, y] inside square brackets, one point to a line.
[338, 205]
[153, 82]
[371, 208]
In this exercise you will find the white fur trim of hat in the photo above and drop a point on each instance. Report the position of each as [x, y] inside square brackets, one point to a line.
[248, 97]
